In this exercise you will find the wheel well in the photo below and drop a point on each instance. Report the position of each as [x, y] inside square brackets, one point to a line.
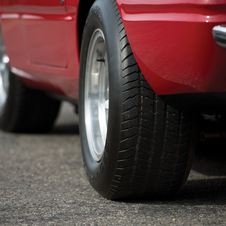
[83, 10]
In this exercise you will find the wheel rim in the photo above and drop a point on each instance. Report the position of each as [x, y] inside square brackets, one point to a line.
[96, 94]
[4, 79]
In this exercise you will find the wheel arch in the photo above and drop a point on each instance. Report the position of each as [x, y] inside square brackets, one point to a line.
[83, 11]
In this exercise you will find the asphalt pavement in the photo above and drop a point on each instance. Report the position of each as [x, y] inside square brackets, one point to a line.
[42, 182]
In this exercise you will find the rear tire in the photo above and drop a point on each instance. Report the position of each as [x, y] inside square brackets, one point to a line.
[27, 110]
[149, 145]
[23, 109]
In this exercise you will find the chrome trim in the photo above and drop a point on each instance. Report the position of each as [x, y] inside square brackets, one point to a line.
[23, 74]
[219, 35]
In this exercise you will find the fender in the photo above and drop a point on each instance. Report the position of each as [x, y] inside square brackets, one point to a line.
[173, 43]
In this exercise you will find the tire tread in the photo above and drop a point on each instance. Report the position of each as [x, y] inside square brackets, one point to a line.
[157, 140]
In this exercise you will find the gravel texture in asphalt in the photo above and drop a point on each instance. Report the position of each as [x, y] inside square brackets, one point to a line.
[42, 182]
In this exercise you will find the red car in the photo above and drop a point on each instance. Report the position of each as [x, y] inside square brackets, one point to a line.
[140, 71]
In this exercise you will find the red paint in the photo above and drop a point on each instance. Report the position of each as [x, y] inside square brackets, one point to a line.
[173, 43]
[171, 39]
[41, 40]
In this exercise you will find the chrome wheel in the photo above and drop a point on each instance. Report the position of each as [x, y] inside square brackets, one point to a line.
[4, 77]
[96, 94]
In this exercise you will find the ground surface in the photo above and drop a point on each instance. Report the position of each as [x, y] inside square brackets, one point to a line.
[42, 182]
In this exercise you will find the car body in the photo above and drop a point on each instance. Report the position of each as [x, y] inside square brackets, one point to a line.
[140, 70]
[172, 42]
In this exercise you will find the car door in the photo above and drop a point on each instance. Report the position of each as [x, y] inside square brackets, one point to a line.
[42, 43]
[44, 33]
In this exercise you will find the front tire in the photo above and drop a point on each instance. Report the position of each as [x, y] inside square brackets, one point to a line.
[147, 148]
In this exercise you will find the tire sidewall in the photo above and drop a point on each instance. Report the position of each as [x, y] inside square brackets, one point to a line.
[100, 174]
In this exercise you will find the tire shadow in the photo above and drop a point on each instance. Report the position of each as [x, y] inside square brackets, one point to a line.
[203, 191]
[210, 158]
[207, 180]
